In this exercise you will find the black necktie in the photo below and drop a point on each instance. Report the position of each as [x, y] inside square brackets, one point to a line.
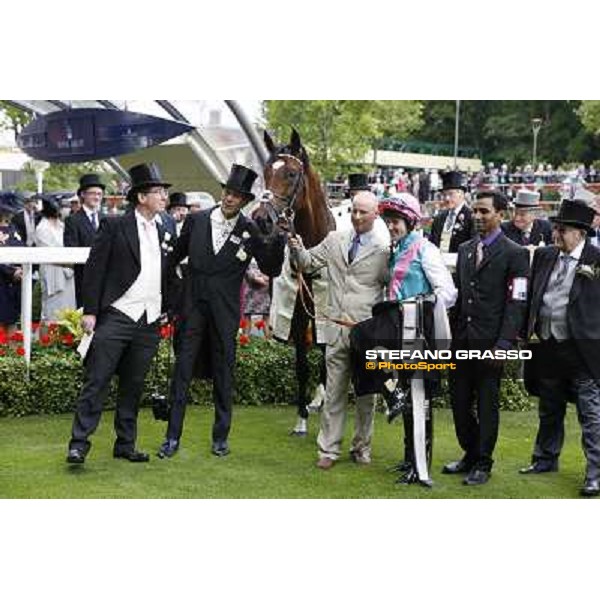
[94, 221]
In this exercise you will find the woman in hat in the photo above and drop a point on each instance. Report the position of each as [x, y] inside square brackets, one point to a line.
[58, 283]
[10, 275]
[416, 269]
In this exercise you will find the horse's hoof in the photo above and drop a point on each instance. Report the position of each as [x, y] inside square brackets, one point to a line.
[298, 433]
[301, 428]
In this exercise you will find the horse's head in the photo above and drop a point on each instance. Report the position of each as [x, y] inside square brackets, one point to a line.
[285, 173]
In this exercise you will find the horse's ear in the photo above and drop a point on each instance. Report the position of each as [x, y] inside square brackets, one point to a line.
[269, 142]
[295, 142]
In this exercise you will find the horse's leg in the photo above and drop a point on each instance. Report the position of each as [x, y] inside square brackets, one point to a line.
[299, 324]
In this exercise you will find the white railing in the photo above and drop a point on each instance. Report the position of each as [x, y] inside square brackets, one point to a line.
[67, 256]
[28, 257]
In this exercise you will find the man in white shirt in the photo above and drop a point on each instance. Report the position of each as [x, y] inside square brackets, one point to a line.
[123, 290]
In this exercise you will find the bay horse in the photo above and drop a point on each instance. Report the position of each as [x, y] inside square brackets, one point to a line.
[296, 192]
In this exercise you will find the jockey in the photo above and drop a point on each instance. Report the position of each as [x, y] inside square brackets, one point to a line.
[416, 270]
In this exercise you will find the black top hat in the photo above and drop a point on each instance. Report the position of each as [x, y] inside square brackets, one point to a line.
[177, 199]
[90, 180]
[575, 213]
[452, 180]
[358, 181]
[144, 176]
[240, 181]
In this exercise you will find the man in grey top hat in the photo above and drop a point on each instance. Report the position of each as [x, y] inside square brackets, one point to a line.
[524, 228]
[563, 312]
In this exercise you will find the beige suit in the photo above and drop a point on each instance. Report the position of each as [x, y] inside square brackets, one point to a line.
[353, 290]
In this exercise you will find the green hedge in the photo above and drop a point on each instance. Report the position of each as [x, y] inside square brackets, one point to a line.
[265, 374]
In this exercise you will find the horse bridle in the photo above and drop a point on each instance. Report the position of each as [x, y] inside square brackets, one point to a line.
[289, 201]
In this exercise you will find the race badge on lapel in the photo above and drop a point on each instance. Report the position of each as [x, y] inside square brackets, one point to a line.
[241, 254]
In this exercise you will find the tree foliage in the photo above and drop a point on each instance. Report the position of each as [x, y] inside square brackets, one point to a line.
[337, 133]
[13, 118]
[589, 112]
[501, 130]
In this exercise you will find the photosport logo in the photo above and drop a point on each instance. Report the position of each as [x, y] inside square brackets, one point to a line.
[435, 360]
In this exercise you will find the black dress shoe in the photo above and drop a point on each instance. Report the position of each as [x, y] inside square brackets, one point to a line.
[538, 467]
[76, 456]
[477, 477]
[456, 467]
[134, 456]
[168, 449]
[591, 487]
[220, 449]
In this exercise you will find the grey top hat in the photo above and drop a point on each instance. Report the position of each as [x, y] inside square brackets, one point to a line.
[527, 199]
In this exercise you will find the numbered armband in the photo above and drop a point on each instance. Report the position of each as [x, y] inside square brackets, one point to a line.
[517, 288]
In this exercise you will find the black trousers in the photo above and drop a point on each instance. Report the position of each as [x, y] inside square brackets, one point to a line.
[197, 330]
[123, 347]
[474, 393]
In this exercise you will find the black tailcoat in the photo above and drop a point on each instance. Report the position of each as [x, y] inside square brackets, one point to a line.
[114, 263]
[463, 230]
[79, 233]
[583, 310]
[540, 232]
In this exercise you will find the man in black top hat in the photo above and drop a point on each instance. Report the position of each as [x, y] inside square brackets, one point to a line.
[82, 226]
[220, 243]
[564, 313]
[178, 209]
[453, 225]
[123, 291]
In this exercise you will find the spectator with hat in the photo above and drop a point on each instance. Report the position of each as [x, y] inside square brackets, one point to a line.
[357, 182]
[10, 275]
[220, 243]
[564, 313]
[453, 225]
[524, 228]
[178, 209]
[81, 227]
[27, 220]
[123, 299]
[57, 281]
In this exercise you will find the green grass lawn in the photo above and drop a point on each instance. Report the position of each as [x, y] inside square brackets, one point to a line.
[265, 461]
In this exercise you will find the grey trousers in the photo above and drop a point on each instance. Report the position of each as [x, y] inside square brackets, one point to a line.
[333, 413]
[552, 408]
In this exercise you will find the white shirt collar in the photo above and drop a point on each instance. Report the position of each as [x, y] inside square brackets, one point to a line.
[458, 208]
[141, 219]
[576, 252]
[88, 212]
[217, 216]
